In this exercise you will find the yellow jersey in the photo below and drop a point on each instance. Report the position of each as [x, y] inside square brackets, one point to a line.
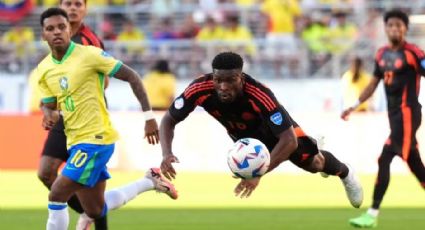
[352, 90]
[160, 88]
[281, 13]
[76, 84]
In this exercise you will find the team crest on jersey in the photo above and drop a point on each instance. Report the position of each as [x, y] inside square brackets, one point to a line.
[105, 54]
[63, 82]
[179, 103]
[276, 118]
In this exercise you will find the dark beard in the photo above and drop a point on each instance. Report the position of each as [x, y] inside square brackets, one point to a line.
[396, 42]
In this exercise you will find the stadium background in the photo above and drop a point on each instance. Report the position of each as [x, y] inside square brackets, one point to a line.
[287, 198]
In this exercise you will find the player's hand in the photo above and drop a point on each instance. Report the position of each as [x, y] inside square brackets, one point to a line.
[346, 113]
[246, 187]
[167, 168]
[152, 132]
[50, 119]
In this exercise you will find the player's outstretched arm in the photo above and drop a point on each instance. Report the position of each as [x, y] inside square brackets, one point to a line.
[286, 145]
[127, 74]
[366, 94]
[51, 115]
[167, 127]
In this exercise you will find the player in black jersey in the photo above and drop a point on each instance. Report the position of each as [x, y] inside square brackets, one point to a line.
[247, 108]
[400, 65]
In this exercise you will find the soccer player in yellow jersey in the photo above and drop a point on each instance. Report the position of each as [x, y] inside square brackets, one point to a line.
[71, 81]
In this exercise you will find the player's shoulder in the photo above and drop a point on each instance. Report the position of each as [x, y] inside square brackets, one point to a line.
[381, 51]
[44, 65]
[260, 94]
[413, 48]
[90, 37]
[254, 86]
[201, 85]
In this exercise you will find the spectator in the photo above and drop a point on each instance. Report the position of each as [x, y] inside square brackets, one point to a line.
[108, 30]
[165, 30]
[19, 41]
[49, 3]
[132, 36]
[160, 85]
[188, 29]
[282, 15]
[342, 35]
[211, 31]
[354, 81]
[314, 35]
[234, 32]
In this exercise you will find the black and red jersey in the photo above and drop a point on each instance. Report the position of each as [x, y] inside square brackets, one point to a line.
[256, 114]
[85, 36]
[401, 70]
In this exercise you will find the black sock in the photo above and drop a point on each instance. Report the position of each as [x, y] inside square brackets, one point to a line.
[101, 223]
[75, 204]
[333, 166]
[383, 178]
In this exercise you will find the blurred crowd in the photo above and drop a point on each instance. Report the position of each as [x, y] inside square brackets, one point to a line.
[279, 35]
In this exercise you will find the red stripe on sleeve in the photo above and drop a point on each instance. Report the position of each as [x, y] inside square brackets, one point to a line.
[197, 87]
[418, 52]
[265, 99]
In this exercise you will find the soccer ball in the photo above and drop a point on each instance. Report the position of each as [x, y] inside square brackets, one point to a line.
[248, 158]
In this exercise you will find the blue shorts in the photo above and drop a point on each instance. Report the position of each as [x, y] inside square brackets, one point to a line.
[87, 163]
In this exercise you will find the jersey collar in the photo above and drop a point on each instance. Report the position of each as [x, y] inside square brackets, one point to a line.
[67, 54]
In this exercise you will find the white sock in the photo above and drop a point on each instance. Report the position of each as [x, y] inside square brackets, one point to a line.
[373, 212]
[58, 216]
[117, 197]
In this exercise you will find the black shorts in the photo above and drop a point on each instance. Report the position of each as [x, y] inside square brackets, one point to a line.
[404, 124]
[304, 154]
[55, 144]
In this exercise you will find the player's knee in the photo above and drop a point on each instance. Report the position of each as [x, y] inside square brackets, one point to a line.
[47, 177]
[317, 164]
[57, 196]
[94, 213]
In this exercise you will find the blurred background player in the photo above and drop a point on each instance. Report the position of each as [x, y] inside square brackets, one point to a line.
[78, 93]
[354, 81]
[246, 108]
[400, 65]
[160, 85]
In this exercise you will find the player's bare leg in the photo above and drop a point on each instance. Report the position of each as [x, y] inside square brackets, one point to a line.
[62, 189]
[48, 170]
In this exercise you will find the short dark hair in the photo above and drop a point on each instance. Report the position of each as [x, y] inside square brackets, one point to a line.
[162, 66]
[227, 60]
[54, 11]
[397, 14]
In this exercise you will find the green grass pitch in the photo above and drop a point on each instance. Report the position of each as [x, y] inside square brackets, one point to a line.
[282, 201]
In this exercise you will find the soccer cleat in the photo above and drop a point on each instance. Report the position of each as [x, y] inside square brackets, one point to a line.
[160, 183]
[84, 222]
[364, 221]
[353, 188]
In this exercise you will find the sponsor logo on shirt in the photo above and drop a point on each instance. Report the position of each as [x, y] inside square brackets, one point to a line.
[276, 118]
[179, 103]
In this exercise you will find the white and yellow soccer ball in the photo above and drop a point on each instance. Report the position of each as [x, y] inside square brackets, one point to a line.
[248, 158]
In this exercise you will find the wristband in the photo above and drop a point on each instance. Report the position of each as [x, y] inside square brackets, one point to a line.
[149, 115]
